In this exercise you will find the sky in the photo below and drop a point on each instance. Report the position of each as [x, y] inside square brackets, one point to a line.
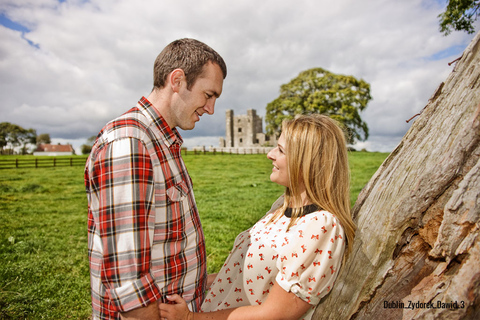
[68, 67]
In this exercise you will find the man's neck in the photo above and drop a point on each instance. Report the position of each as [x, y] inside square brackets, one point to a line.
[160, 100]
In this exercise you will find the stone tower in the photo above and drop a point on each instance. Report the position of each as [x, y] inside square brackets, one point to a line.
[229, 129]
[244, 131]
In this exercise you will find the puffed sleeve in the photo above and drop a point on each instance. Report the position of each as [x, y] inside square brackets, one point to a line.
[311, 256]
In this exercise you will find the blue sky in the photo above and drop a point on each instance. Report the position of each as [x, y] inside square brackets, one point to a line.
[68, 67]
[6, 22]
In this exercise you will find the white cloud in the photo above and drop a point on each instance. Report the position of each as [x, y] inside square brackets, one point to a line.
[89, 61]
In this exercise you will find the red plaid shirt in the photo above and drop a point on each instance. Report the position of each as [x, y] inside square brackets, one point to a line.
[145, 239]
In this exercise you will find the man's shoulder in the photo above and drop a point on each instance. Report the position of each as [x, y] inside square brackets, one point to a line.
[132, 123]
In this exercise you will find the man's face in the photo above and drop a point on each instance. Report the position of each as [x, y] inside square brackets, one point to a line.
[190, 105]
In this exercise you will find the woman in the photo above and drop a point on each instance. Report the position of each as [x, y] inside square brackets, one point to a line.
[289, 260]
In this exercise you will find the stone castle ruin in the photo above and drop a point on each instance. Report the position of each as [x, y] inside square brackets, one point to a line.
[244, 134]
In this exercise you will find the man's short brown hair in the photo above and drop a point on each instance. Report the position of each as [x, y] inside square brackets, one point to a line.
[190, 55]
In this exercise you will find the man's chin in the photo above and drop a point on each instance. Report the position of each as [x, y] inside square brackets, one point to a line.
[189, 126]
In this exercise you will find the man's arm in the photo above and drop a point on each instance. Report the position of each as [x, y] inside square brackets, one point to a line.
[124, 186]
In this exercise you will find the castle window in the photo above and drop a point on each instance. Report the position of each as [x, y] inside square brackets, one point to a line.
[239, 129]
[241, 140]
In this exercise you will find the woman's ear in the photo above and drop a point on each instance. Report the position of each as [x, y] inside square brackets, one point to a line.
[176, 78]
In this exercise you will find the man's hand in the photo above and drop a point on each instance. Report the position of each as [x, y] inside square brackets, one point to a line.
[177, 311]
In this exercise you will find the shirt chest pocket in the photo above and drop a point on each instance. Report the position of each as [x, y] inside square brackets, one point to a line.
[177, 192]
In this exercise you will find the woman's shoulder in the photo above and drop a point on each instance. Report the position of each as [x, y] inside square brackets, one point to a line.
[320, 218]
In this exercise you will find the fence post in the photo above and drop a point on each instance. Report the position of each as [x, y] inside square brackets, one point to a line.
[36, 163]
[16, 162]
[54, 162]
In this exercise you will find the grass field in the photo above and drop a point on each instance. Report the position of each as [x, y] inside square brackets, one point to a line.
[43, 235]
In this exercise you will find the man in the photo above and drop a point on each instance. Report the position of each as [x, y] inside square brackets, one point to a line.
[145, 239]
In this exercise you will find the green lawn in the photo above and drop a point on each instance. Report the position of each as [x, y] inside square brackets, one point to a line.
[43, 226]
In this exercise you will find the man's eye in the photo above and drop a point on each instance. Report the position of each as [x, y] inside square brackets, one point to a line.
[208, 95]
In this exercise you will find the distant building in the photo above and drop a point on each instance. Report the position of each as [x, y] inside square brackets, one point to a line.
[44, 149]
[245, 131]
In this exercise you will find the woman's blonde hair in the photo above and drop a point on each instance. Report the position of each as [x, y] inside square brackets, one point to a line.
[316, 152]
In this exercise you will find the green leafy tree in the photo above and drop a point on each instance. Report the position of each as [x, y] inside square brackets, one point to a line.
[86, 148]
[459, 16]
[26, 137]
[320, 91]
[12, 135]
[43, 138]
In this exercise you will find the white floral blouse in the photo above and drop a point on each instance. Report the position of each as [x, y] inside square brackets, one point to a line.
[304, 261]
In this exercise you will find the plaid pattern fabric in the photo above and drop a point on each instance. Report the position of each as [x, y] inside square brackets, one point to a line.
[145, 240]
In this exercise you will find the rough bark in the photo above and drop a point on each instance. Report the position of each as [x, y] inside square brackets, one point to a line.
[417, 243]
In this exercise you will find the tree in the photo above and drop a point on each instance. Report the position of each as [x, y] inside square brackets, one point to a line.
[86, 148]
[25, 137]
[12, 135]
[43, 138]
[459, 15]
[416, 254]
[320, 91]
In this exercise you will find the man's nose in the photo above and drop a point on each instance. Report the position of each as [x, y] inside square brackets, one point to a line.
[210, 106]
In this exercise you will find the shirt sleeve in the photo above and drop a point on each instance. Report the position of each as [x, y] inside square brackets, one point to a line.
[124, 222]
[309, 263]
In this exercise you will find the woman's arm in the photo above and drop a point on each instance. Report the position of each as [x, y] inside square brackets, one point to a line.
[278, 306]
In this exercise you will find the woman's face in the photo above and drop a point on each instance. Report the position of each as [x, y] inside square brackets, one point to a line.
[278, 156]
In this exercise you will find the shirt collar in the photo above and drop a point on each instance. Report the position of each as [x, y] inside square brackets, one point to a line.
[168, 135]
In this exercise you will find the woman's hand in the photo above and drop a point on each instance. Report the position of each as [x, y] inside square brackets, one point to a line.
[176, 311]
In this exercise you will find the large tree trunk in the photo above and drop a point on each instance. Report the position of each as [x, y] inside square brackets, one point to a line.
[417, 244]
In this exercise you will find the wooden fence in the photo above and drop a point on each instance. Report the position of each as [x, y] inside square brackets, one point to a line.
[50, 162]
[47, 162]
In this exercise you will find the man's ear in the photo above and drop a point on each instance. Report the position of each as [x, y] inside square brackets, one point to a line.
[176, 78]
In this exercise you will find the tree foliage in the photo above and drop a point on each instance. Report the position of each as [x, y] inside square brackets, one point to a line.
[12, 135]
[43, 138]
[86, 148]
[320, 91]
[459, 16]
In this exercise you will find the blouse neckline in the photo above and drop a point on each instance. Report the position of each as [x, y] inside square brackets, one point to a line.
[306, 210]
